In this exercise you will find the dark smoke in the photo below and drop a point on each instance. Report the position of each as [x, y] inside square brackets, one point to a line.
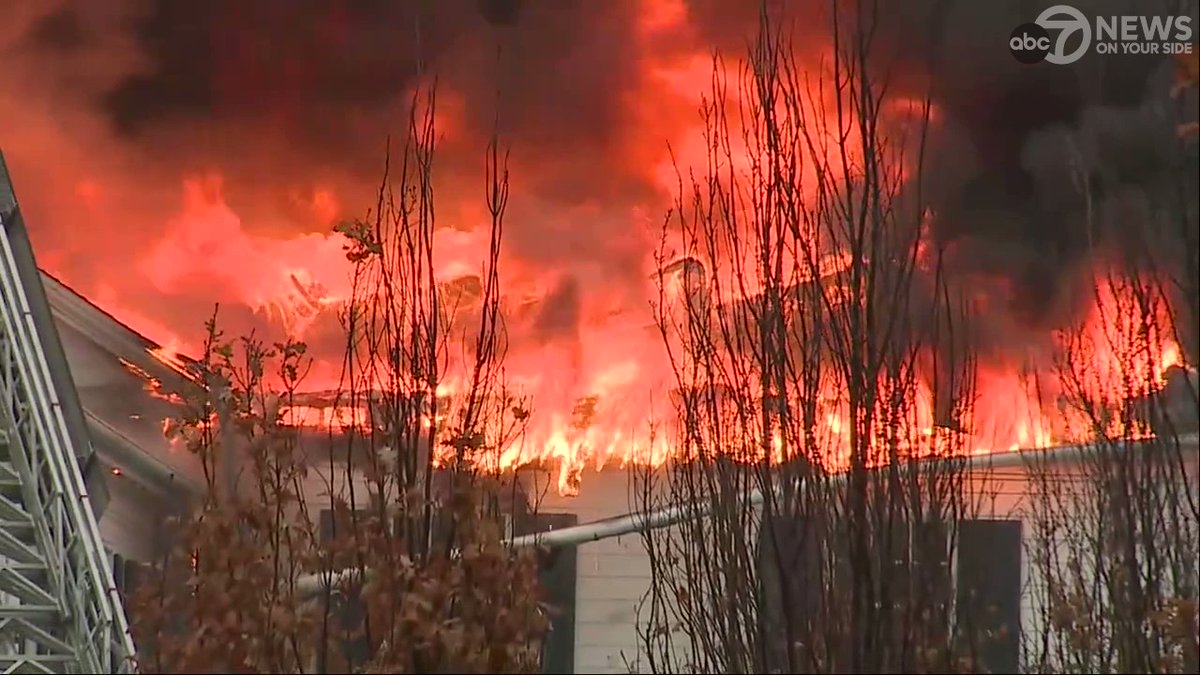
[281, 95]
[1039, 170]
[276, 93]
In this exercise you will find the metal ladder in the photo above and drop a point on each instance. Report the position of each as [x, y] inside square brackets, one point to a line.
[60, 611]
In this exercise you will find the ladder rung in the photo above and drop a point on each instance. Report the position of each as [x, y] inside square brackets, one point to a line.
[10, 510]
[10, 482]
[18, 584]
[16, 549]
[22, 529]
[34, 614]
[37, 634]
[25, 568]
[36, 665]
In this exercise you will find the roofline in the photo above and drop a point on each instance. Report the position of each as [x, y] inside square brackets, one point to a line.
[117, 450]
[640, 521]
[114, 448]
[634, 522]
[109, 333]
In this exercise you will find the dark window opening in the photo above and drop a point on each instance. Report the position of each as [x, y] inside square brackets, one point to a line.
[557, 577]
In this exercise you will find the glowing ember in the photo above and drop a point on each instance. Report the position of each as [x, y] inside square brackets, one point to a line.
[169, 356]
[325, 417]
[153, 385]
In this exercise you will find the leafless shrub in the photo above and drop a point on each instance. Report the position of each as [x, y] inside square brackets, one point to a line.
[391, 492]
[1117, 536]
[803, 312]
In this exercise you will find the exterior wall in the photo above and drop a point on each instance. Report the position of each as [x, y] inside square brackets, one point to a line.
[1006, 495]
[1021, 495]
[614, 574]
[128, 525]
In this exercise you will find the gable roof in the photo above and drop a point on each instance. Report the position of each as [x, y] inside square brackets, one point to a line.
[112, 367]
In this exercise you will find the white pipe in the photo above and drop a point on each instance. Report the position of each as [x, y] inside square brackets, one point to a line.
[617, 526]
[634, 521]
[606, 528]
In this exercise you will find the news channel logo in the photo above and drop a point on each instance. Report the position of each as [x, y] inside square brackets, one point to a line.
[1061, 35]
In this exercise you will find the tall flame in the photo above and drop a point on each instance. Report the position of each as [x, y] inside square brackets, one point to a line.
[602, 398]
[583, 343]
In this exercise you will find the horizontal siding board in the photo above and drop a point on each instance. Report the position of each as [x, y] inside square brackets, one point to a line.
[598, 586]
[607, 565]
[129, 523]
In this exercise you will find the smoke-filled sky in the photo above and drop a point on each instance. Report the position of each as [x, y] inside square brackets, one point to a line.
[120, 119]
[108, 106]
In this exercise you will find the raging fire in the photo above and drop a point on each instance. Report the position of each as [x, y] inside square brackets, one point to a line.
[610, 412]
[583, 344]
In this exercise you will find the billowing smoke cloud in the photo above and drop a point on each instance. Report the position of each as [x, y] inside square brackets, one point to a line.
[1040, 140]
[107, 106]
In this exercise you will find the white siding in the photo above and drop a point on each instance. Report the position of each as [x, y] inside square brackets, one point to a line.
[614, 574]
[129, 521]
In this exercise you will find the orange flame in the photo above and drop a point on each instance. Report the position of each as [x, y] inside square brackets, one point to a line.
[599, 387]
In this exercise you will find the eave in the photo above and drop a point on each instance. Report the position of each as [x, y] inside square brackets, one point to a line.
[124, 419]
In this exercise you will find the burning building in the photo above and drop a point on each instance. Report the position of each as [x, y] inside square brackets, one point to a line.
[127, 386]
[601, 574]
[1031, 212]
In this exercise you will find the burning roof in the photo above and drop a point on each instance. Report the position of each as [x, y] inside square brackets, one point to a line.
[216, 175]
[124, 389]
[128, 385]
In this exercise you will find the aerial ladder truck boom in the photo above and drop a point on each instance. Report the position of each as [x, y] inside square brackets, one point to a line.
[60, 611]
